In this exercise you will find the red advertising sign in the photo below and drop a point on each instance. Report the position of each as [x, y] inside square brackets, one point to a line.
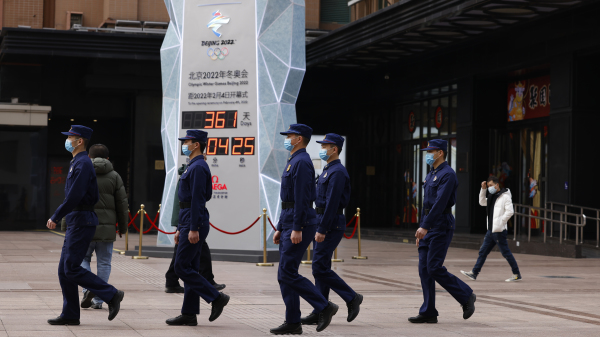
[439, 117]
[412, 122]
[529, 99]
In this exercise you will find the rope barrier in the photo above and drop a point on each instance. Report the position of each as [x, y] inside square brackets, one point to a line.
[275, 229]
[234, 233]
[354, 231]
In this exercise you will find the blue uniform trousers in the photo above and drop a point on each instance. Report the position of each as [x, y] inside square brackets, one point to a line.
[187, 263]
[325, 278]
[293, 285]
[432, 253]
[71, 273]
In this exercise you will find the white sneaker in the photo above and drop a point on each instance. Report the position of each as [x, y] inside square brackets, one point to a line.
[469, 274]
[515, 278]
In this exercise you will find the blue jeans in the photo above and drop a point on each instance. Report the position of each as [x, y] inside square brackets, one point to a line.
[490, 240]
[103, 256]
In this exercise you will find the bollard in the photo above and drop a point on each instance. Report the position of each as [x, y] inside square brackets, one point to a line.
[126, 238]
[264, 263]
[140, 257]
[308, 260]
[335, 259]
[359, 257]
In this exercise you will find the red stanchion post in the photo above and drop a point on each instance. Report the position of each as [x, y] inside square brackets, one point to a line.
[359, 257]
[139, 256]
[126, 236]
[265, 263]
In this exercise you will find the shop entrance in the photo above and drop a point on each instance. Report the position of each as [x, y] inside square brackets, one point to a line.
[518, 157]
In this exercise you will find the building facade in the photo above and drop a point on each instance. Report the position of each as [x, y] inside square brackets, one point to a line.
[510, 85]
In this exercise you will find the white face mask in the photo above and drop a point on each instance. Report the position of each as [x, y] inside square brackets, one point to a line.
[492, 189]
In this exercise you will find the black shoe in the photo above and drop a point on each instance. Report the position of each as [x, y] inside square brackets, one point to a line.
[183, 319]
[326, 315]
[469, 308]
[219, 287]
[175, 290]
[63, 321]
[115, 305]
[88, 296]
[217, 307]
[312, 319]
[354, 307]
[423, 319]
[288, 329]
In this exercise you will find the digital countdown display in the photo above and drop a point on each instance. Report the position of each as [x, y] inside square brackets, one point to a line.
[226, 119]
[236, 146]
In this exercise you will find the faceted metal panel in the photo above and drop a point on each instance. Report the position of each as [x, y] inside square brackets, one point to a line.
[281, 67]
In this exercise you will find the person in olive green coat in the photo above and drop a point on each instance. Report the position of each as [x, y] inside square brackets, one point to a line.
[112, 208]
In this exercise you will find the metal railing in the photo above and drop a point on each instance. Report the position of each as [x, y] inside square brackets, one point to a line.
[581, 210]
[548, 216]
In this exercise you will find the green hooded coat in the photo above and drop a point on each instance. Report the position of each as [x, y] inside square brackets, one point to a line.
[112, 206]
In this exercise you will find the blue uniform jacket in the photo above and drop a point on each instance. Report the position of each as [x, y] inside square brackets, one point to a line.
[298, 185]
[333, 193]
[81, 189]
[195, 187]
[440, 194]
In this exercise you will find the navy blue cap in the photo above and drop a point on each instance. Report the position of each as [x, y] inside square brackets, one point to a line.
[199, 135]
[79, 130]
[299, 129]
[332, 138]
[436, 144]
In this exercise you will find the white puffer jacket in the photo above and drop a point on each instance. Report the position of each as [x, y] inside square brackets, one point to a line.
[503, 209]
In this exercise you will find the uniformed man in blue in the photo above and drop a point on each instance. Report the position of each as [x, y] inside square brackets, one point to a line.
[81, 194]
[435, 234]
[333, 195]
[195, 189]
[295, 230]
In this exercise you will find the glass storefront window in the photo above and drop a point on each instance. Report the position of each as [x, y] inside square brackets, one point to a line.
[424, 119]
[433, 105]
[453, 111]
[445, 111]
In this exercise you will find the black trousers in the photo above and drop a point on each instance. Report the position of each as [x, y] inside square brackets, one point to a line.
[205, 268]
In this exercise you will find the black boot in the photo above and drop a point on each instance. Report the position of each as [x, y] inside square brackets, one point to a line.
[63, 321]
[115, 305]
[88, 296]
[217, 307]
[183, 319]
[423, 319]
[469, 308]
[326, 315]
[219, 287]
[312, 319]
[174, 290]
[354, 307]
[288, 329]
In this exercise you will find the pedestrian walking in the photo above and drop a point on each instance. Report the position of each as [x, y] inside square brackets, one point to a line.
[435, 234]
[112, 208]
[498, 202]
[333, 195]
[295, 230]
[195, 190]
[81, 194]
[172, 280]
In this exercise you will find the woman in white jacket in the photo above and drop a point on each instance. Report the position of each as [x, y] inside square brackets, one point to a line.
[499, 210]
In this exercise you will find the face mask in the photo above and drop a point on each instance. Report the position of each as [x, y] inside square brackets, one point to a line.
[185, 150]
[323, 154]
[68, 146]
[429, 159]
[287, 143]
[492, 190]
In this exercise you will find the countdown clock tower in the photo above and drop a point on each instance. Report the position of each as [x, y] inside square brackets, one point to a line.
[235, 76]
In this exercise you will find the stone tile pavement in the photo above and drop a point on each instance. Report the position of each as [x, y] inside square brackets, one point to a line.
[389, 280]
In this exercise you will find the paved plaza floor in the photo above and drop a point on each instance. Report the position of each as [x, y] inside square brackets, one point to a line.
[544, 304]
